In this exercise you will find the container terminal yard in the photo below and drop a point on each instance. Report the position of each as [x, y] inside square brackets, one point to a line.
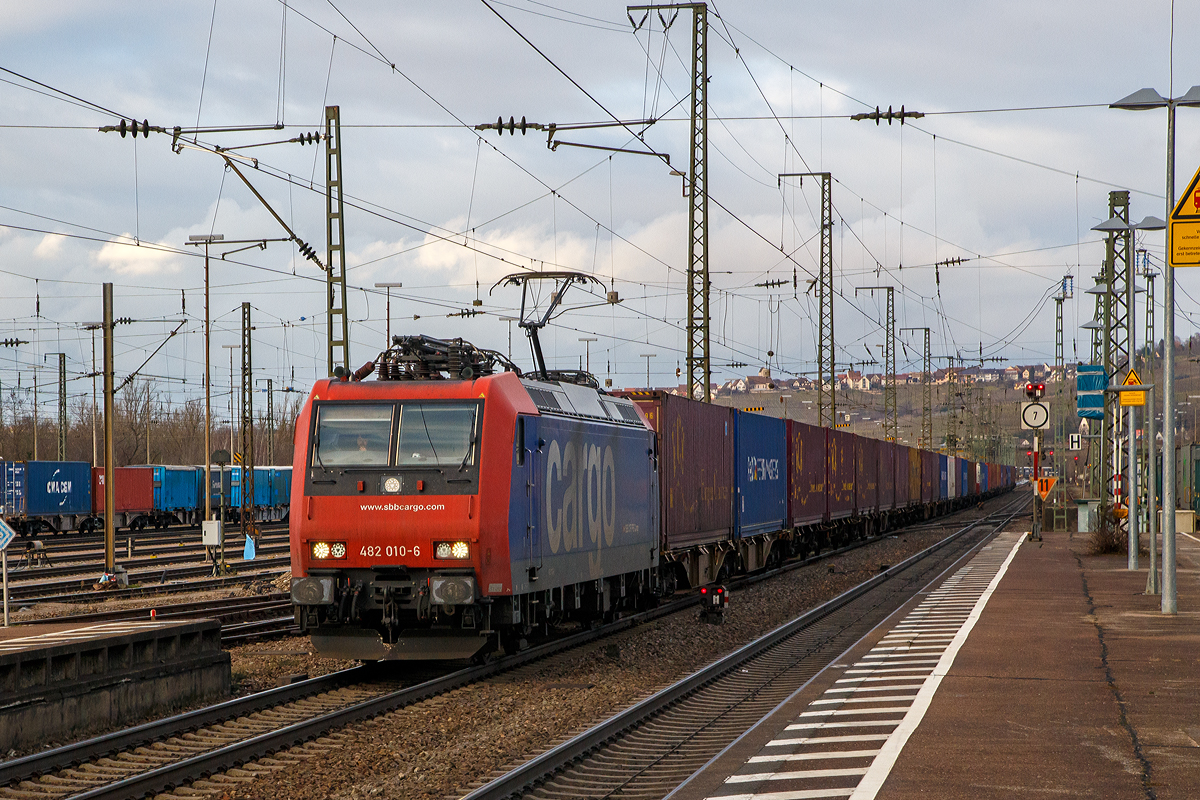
[562, 400]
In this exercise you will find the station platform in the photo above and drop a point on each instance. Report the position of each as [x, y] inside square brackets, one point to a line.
[60, 680]
[1033, 670]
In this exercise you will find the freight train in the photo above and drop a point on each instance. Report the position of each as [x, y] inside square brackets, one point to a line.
[448, 508]
[58, 496]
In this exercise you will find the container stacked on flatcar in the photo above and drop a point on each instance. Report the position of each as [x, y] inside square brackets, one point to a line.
[45, 496]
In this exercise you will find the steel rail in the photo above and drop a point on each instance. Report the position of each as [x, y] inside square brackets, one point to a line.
[542, 766]
[159, 574]
[31, 766]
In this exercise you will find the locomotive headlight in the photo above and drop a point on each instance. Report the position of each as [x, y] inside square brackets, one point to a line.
[325, 550]
[391, 485]
[448, 551]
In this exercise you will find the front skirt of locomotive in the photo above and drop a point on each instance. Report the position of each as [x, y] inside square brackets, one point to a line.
[362, 644]
[424, 615]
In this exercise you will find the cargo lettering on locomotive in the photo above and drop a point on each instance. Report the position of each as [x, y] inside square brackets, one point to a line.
[584, 477]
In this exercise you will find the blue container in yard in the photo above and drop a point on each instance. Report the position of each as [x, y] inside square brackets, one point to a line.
[759, 474]
[943, 477]
[47, 488]
[178, 488]
[965, 465]
[262, 487]
[281, 486]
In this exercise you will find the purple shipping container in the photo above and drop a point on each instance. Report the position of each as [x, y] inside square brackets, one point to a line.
[866, 475]
[841, 474]
[887, 476]
[695, 458]
[900, 475]
[929, 476]
[808, 497]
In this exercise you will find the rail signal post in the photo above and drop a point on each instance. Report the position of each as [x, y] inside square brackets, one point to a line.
[1035, 416]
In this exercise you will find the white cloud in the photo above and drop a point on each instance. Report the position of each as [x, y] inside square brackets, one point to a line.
[124, 257]
[49, 247]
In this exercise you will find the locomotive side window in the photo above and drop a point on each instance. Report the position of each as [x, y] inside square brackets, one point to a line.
[437, 435]
[352, 435]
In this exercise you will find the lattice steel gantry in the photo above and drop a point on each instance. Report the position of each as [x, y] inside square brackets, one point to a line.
[891, 421]
[926, 438]
[699, 365]
[699, 362]
[338, 323]
[826, 380]
[1112, 295]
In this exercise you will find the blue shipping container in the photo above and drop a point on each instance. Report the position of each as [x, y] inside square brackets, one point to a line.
[964, 477]
[943, 477]
[281, 486]
[262, 487]
[760, 474]
[47, 488]
[178, 488]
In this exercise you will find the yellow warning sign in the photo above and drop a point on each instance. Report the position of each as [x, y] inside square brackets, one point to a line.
[1044, 485]
[1132, 398]
[1183, 225]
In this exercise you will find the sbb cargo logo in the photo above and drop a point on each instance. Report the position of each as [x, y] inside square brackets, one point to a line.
[762, 469]
[584, 476]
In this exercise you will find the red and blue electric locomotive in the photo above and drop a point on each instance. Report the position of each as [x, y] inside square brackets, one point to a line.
[449, 508]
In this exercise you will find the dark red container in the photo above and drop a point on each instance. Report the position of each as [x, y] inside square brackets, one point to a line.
[930, 476]
[900, 474]
[914, 476]
[808, 496]
[866, 475]
[134, 490]
[695, 457]
[841, 474]
[887, 476]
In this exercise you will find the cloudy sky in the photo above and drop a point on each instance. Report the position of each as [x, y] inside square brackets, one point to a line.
[1008, 170]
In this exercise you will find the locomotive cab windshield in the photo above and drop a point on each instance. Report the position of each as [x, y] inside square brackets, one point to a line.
[431, 435]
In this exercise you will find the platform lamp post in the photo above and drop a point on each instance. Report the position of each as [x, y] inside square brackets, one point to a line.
[1144, 100]
[389, 285]
[648, 356]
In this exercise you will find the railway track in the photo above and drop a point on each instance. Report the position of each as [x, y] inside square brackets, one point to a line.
[146, 581]
[172, 555]
[159, 756]
[652, 747]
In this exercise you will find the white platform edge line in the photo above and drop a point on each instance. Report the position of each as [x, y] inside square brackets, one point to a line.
[879, 770]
